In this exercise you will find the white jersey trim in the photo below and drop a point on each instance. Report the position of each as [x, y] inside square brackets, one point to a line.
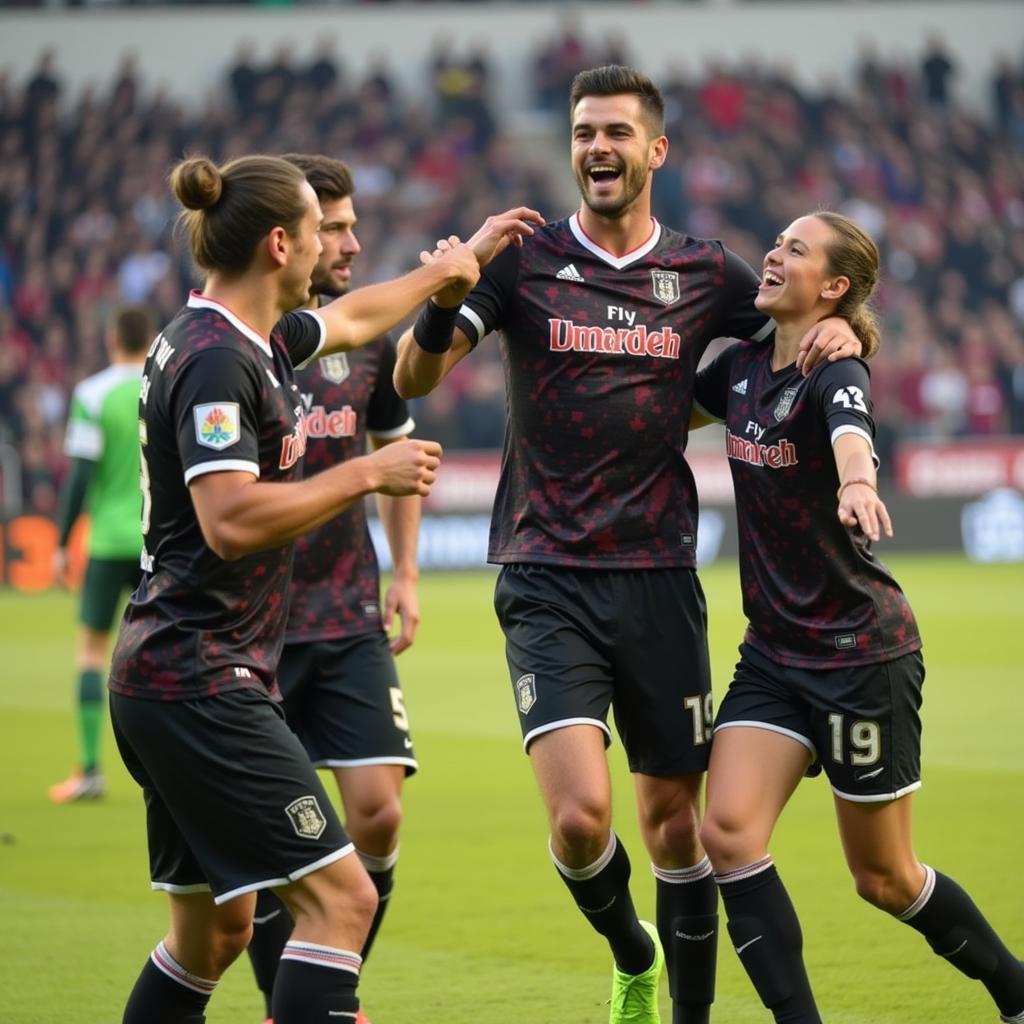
[877, 798]
[179, 890]
[618, 262]
[222, 466]
[323, 337]
[478, 325]
[740, 724]
[197, 301]
[395, 432]
[849, 428]
[83, 441]
[271, 883]
[563, 724]
[358, 762]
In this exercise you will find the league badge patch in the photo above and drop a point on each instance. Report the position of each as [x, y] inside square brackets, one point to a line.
[785, 403]
[526, 691]
[666, 285]
[335, 368]
[217, 424]
[306, 817]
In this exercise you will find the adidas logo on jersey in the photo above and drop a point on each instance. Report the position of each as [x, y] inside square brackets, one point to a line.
[740, 387]
[569, 273]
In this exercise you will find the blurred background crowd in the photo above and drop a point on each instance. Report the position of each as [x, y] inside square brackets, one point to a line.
[86, 220]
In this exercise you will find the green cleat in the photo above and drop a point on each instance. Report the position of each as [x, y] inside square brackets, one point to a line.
[635, 996]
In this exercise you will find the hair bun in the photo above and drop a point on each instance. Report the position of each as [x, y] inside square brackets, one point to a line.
[197, 183]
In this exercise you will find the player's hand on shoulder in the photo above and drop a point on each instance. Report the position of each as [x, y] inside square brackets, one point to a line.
[406, 467]
[829, 339]
[501, 230]
[860, 505]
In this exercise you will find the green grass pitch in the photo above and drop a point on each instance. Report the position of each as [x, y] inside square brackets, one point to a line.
[480, 930]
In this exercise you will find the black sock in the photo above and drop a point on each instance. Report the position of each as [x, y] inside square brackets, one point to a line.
[957, 930]
[316, 985]
[165, 993]
[766, 935]
[382, 873]
[688, 926]
[601, 891]
[271, 929]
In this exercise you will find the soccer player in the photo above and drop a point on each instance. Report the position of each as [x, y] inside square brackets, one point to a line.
[605, 316]
[337, 671]
[233, 803]
[830, 672]
[103, 445]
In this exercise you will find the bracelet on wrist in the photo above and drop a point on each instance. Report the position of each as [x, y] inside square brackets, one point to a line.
[434, 327]
[855, 480]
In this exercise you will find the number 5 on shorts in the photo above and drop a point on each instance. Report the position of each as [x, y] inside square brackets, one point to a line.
[398, 709]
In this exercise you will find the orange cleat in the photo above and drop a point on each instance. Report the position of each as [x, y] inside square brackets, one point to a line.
[78, 786]
[361, 1017]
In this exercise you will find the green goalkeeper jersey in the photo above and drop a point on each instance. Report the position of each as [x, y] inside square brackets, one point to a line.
[103, 428]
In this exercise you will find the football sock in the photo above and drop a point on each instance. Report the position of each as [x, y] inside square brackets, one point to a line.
[271, 929]
[90, 717]
[601, 891]
[766, 935]
[382, 873]
[957, 930]
[165, 993]
[316, 985]
[688, 926]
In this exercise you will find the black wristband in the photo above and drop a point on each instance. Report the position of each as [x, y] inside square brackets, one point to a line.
[434, 327]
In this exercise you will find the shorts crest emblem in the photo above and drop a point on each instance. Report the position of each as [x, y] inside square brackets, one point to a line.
[665, 285]
[335, 368]
[306, 817]
[526, 692]
[785, 403]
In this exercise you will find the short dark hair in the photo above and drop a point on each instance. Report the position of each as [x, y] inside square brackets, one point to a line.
[133, 329]
[331, 179]
[229, 209]
[616, 80]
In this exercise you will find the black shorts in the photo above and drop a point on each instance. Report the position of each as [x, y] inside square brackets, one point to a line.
[580, 640]
[232, 803]
[862, 724]
[344, 701]
[104, 586]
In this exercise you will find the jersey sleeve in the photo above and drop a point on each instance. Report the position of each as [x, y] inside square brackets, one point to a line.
[84, 438]
[387, 415]
[711, 389]
[485, 306]
[844, 393]
[740, 317]
[215, 411]
[303, 333]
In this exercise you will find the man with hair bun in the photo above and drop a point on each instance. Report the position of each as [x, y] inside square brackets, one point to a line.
[102, 444]
[233, 804]
[830, 674]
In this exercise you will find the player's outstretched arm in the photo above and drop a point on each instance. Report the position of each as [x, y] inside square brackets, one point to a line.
[859, 501]
[360, 316]
[829, 339]
[240, 515]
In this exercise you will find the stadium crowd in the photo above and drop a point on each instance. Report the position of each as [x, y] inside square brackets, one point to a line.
[86, 217]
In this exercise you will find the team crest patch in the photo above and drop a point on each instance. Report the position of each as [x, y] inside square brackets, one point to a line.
[335, 368]
[306, 817]
[526, 690]
[217, 424]
[666, 285]
[785, 403]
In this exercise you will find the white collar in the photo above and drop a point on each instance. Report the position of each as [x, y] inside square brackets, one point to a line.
[198, 301]
[618, 262]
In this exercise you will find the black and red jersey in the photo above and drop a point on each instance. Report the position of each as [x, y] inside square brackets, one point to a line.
[215, 396]
[600, 353]
[814, 593]
[336, 581]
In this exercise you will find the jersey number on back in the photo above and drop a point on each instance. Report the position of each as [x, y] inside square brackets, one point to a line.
[144, 485]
